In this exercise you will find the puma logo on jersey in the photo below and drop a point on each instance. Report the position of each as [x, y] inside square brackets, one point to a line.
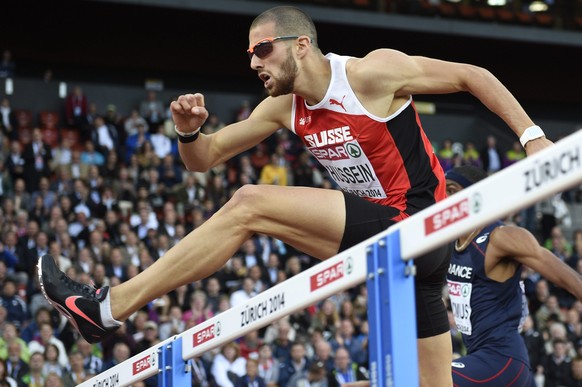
[336, 102]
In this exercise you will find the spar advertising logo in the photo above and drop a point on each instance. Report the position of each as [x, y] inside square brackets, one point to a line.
[143, 364]
[452, 214]
[206, 334]
[331, 274]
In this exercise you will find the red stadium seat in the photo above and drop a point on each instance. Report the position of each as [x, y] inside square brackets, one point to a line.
[467, 11]
[48, 119]
[505, 15]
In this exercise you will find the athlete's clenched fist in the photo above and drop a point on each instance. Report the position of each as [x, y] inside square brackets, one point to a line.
[188, 112]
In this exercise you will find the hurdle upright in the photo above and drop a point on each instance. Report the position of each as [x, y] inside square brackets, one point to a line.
[389, 275]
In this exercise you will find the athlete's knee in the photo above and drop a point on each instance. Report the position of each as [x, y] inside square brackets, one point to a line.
[244, 204]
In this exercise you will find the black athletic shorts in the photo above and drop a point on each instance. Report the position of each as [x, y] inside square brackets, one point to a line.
[365, 219]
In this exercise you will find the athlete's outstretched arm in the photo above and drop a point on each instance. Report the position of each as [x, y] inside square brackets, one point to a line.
[519, 243]
[410, 75]
[189, 113]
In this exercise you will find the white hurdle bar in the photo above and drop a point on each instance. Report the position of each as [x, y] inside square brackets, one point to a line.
[392, 348]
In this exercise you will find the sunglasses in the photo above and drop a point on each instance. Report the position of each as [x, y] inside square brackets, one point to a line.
[265, 46]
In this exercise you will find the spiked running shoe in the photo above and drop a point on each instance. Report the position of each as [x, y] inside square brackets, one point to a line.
[77, 302]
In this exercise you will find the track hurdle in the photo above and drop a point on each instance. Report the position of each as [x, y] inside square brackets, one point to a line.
[389, 274]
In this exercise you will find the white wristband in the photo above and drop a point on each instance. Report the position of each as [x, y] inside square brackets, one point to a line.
[531, 133]
[186, 134]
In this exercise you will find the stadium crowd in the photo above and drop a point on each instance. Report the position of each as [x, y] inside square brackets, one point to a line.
[107, 203]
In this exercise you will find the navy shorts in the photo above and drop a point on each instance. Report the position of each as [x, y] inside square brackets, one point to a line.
[486, 368]
[365, 219]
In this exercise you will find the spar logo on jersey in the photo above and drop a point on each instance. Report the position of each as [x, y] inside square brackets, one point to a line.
[331, 274]
[452, 214]
[142, 364]
[337, 152]
[206, 334]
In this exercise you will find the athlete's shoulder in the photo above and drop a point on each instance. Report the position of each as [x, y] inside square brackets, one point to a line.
[275, 109]
[380, 68]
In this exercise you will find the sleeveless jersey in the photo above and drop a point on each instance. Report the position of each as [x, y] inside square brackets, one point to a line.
[488, 313]
[387, 160]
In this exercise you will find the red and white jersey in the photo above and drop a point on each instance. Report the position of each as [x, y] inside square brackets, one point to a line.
[387, 160]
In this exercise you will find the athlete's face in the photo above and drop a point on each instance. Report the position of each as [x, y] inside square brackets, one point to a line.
[453, 187]
[277, 68]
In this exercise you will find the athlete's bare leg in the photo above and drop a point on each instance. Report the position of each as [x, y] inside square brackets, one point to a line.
[435, 355]
[311, 220]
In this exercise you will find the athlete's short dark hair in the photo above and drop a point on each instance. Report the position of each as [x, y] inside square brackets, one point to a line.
[288, 21]
[466, 175]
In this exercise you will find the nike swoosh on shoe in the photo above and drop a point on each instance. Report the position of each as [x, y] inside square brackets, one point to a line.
[70, 303]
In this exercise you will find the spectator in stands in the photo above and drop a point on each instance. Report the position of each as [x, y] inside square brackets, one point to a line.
[146, 157]
[491, 156]
[48, 196]
[268, 365]
[35, 375]
[13, 347]
[5, 379]
[91, 156]
[152, 109]
[228, 365]
[136, 141]
[190, 193]
[274, 173]
[199, 310]
[76, 371]
[513, 155]
[7, 257]
[62, 155]
[8, 121]
[133, 121]
[46, 337]
[251, 378]
[245, 293]
[297, 363]
[174, 325]
[122, 336]
[314, 376]
[161, 143]
[37, 157]
[445, 154]
[7, 65]
[213, 124]
[14, 304]
[92, 360]
[150, 337]
[344, 370]
[346, 338]
[15, 161]
[558, 365]
[104, 137]
[201, 375]
[324, 354]
[51, 361]
[326, 319]
[20, 196]
[32, 330]
[15, 364]
[121, 353]
[472, 156]
[76, 111]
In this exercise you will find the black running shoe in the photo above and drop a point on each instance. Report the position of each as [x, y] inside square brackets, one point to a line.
[77, 302]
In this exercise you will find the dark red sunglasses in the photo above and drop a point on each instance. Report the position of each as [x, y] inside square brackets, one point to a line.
[265, 46]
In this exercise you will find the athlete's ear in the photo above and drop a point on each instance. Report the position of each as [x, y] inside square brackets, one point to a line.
[303, 45]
